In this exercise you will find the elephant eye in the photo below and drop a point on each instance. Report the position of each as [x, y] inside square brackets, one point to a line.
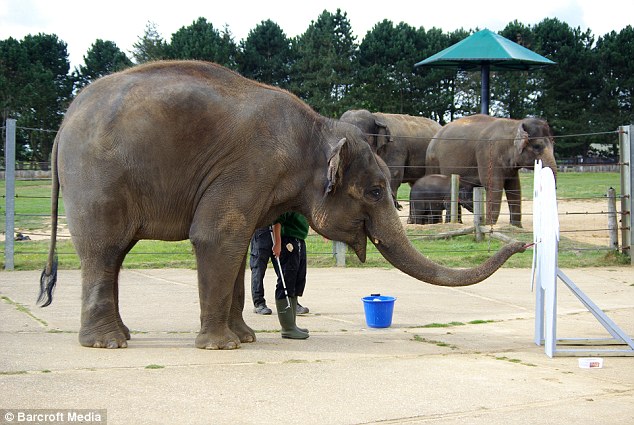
[538, 146]
[374, 193]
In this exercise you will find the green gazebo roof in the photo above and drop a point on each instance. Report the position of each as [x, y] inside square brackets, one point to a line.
[486, 47]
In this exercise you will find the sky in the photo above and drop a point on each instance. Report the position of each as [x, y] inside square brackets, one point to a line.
[79, 23]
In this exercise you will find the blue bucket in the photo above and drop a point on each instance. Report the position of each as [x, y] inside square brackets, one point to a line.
[378, 310]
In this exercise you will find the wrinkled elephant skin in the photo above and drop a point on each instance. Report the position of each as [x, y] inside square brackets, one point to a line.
[191, 150]
[489, 152]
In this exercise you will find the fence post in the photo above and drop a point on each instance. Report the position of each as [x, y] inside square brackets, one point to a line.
[339, 250]
[626, 154]
[455, 189]
[9, 177]
[613, 227]
[478, 212]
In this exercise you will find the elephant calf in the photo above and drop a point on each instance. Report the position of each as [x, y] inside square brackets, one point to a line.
[430, 195]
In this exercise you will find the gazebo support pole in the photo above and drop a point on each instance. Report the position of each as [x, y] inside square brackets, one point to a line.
[484, 91]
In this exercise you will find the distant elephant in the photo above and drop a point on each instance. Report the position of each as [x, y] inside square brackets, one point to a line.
[401, 140]
[431, 195]
[489, 152]
[191, 150]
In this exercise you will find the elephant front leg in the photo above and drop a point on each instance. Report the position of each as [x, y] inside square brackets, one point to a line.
[514, 198]
[494, 200]
[216, 284]
[236, 321]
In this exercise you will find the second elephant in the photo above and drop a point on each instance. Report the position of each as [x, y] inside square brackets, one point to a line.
[400, 140]
[430, 195]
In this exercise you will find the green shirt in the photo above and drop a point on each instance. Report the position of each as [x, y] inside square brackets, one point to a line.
[294, 225]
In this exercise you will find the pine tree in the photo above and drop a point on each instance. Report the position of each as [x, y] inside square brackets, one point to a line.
[103, 58]
[151, 46]
[265, 55]
[322, 73]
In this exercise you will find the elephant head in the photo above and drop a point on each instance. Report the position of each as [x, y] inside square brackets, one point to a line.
[357, 205]
[534, 141]
[400, 140]
[375, 129]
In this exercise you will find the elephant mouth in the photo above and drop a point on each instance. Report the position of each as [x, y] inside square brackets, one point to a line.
[360, 247]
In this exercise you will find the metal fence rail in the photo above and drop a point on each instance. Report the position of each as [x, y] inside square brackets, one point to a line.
[619, 213]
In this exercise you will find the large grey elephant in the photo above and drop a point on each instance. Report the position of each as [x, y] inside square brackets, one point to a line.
[489, 152]
[401, 140]
[431, 195]
[191, 150]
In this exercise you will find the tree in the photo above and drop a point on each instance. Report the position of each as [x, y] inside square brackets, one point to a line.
[386, 79]
[435, 89]
[35, 88]
[151, 46]
[569, 87]
[202, 41]
[381, 56]
[614, 105]
[516, 91]
[13, 80]
[322, 73]
[265, 55]
[103, 58]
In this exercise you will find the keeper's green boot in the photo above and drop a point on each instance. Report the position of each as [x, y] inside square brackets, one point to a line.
[294, 307]
[286, 316]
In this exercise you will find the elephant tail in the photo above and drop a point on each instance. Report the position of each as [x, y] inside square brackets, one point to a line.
[48, 279]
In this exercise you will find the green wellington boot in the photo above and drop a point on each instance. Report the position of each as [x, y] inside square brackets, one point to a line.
[286, 316]
[294, 307]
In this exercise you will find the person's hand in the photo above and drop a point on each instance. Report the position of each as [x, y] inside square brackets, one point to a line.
[277, 249]
[277, 240]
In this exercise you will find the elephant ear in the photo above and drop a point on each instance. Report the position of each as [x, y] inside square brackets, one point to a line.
[333, 165]
[383, 135]
[521, 139]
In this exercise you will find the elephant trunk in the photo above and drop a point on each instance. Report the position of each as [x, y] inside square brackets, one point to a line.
[549, 161]
[399, 251]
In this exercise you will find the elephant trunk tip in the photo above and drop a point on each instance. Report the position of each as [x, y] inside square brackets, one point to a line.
[515, 248]
[467, 277]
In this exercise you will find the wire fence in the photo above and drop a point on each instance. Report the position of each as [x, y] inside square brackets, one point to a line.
[583, 213]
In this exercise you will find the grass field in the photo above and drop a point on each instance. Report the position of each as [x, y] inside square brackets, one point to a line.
[33, 215]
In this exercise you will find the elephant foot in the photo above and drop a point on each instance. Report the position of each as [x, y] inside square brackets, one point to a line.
[218, 340]
[115, 338]
[244, 332]
[124, 329]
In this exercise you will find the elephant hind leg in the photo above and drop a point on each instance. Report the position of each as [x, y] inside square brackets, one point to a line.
[101, 323]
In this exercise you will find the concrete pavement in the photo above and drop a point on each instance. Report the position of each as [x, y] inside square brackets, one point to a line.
[478, 365]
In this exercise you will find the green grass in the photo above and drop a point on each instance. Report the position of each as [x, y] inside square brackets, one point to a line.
[33, 213]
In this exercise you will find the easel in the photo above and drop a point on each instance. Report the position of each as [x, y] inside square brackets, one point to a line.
[545, 275]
